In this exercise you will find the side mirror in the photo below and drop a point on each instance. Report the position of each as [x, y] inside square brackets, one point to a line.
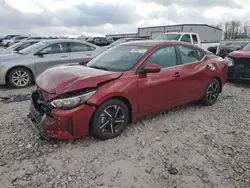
[151, 68]
[39, 54]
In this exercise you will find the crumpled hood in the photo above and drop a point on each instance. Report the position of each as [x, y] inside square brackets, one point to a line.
[61, 79]
[239, 54]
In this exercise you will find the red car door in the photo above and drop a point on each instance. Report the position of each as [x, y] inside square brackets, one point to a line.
[160, 90]
[194, 72]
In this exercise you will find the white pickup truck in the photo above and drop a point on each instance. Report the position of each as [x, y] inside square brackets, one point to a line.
[188, 37]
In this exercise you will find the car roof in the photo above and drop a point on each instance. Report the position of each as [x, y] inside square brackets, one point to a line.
[155, 43]
[51, 41]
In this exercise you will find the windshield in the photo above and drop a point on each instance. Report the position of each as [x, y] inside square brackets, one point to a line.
[247, 48]
[168, 37]
[32, 48]
[119, 58]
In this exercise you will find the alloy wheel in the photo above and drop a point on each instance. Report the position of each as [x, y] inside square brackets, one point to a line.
[111, 119]
[20, 78]
[212, 91]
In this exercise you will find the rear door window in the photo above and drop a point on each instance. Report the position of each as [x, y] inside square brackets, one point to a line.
[188, 54]
[79, 47]
[195, 39]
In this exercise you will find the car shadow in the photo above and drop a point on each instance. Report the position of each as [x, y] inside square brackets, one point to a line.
[87, 141]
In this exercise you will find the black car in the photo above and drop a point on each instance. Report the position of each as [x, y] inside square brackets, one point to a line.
[227, 47]
[239, 64]
[99, 41]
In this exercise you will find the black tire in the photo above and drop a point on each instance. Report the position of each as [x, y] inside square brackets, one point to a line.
[211, 93]
[107, 119]
[24, 82]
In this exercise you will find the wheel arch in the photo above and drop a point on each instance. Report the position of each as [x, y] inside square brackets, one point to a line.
[18, 66]
[220, 82]
[123, 99]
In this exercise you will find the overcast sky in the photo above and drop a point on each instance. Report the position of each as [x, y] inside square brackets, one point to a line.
[100, 17]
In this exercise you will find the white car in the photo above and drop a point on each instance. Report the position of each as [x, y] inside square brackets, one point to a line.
[18, 46]
[192, 38]
[13, 40]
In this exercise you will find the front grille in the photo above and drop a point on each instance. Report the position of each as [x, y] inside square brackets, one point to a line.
[40, 103]
[241, 68]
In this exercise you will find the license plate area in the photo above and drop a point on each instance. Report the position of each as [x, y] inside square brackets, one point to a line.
[36, 117]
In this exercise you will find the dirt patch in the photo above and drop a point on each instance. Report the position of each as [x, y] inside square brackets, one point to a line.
[15, 98]
[190, 146]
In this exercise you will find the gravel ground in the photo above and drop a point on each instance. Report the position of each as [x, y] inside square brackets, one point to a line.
[188, 147]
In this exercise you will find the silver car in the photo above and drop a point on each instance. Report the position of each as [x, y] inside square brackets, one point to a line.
[18, 46]
[21, 68]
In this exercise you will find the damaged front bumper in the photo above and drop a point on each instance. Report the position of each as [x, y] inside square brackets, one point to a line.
[36, 119]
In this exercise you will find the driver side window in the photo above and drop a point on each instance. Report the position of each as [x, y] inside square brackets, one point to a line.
[164, 57]
[55, 49]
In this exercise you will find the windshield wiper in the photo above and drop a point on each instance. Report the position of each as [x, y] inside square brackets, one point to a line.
[96, 67]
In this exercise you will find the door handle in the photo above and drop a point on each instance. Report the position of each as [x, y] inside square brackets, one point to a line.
[177, 74]
[208, 66]
[64, 56]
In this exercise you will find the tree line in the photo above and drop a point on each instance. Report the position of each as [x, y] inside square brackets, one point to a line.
[234, 29]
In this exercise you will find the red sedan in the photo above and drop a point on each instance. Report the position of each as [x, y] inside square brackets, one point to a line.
[125, 82]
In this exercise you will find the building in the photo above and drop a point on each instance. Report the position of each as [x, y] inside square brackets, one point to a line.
[206, 32]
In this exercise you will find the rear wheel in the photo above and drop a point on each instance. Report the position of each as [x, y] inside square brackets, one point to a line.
[20, 77]
[110, 119]
[211, 93]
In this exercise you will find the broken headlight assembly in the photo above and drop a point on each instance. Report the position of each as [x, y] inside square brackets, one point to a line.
[229, 61]
[72, 102]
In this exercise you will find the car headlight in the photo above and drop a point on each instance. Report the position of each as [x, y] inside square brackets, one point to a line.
[229, 61]
[72, 102]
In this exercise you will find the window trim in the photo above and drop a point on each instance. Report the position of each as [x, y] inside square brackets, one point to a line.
[178, 60]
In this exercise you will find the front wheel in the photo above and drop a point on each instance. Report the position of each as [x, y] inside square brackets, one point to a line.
[110, 119]
[211, 93]
[20, 77]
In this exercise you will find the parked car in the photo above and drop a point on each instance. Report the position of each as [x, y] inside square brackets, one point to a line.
[7, 37]
[239, 64]
[125, 82]
[13, 40]
[18, 46]
[21, 68]
[110, 40]
[192, 38]
[122, 40]
[99, 41]
[228, 46]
